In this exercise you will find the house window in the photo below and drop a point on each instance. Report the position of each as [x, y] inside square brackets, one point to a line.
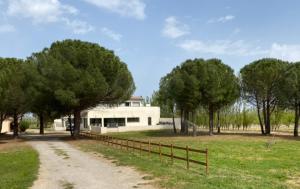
[133, 119]
[85, 123]
[135, 104]
[114, 122]
[127, 103]
[96, 122]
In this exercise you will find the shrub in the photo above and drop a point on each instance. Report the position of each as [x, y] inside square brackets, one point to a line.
[24, 125]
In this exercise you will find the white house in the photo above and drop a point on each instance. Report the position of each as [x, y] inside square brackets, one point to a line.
[131, 115]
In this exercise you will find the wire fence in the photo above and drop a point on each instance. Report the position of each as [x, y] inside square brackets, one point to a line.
[153, 148]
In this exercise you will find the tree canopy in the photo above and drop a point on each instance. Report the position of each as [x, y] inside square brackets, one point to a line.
[260, 80]
[197, 82]
[82, 75]
[288, 92]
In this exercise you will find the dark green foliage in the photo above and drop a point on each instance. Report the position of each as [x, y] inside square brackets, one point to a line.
[16, 98]
[209, 83]
[24, 125]
[288, 92]
[81, 75]
[219, 87]
[260, 81]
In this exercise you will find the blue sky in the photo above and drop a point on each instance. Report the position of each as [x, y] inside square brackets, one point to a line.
[153, 36]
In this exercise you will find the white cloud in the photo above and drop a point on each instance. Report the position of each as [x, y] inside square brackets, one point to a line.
[78, 26]
[222, 19]
[174, 29]
[6, 28]
[48, 11]
[111, 34]
[222, 47]
[40, 11]
[285, 52]
[129, 8]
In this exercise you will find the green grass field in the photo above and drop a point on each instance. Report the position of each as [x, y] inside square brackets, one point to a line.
[18, 165]
[236, 161]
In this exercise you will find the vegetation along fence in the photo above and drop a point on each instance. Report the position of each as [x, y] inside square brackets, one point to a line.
[153, 148]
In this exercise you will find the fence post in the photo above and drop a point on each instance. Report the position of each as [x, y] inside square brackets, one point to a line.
[206, 159]
[187, 158]
[133, 145]
[149, 148]
[172, 158]
[160, 152]
[140, 149]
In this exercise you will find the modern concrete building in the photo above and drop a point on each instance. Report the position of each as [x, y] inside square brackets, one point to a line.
[131, 115]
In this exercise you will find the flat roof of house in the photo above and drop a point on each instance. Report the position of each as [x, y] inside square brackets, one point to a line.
[138, 98]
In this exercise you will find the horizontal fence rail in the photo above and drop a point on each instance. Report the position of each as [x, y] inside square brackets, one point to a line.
[152, 148]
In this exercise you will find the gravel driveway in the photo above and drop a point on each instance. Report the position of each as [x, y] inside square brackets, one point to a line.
[63, 166]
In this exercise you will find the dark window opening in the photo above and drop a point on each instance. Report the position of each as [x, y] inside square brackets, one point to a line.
[133, 119]
[127, 103]
[149, 121]
[96, 122]
[114, 122]
[85, 125]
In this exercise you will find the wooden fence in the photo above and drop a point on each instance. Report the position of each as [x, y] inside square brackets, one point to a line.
[152, 148]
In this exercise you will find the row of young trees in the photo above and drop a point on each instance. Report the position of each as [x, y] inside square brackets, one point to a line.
[266, 84]
[61, 80]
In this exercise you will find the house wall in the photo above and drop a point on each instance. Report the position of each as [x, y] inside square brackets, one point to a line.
[104, 130]
[126, 112]
[58, 125]
[142, 112]
[6, 126]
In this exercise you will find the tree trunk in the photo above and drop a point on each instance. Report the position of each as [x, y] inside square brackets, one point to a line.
[70, 125]
[16, 125]
[41, 118]
[1, 121]
[259, 117]
[264, 115]
[297, 109]
[181, 121]
[211, 120]
[76, 122]
[186, 123]
[218, 121]
[194, 125]
[173, 119]
[268, 118]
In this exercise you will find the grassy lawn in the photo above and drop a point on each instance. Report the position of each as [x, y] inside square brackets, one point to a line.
[18, 164]
[236, 161]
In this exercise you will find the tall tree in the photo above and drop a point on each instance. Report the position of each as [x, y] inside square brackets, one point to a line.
[288, 92]
[180, 89]
[219, 88]
[43, 103]
[4, 77]
[15, 95]
[84, 75]
[259, 83]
